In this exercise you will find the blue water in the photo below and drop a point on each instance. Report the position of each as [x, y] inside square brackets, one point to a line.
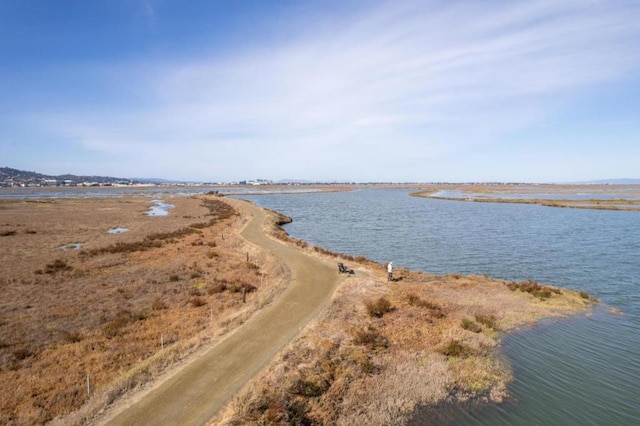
[159, 208]
[584, 370]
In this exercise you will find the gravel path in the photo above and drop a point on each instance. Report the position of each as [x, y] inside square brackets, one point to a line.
[200, 389]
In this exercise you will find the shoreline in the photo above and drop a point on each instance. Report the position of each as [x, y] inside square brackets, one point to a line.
[369, 347]
[529, 193]
[335, 334]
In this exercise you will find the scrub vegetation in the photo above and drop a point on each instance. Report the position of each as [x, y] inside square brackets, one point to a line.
[390, 353]
[80, 328]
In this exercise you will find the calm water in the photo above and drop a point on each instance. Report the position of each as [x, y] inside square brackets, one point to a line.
[583, 370]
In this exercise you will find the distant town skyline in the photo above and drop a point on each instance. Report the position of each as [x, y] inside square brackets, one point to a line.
[364, 91]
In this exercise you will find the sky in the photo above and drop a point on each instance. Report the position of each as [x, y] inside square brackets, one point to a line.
[335, 90]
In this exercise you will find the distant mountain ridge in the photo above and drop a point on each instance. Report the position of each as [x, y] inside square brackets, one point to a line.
[9, 175]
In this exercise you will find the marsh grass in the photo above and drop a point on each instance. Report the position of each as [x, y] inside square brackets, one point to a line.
[534, 288]
[470, 325]
[365, 366]
[102, 310]
[377, 308]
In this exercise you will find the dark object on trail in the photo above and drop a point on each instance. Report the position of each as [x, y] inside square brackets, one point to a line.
[344, 269]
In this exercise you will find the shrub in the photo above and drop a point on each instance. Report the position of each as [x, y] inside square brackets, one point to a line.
[435, 310]
[139, 316]
[455, 349]
[421, 303]
[238, 288]
[217, 288]
[56, 266]
[378, 307]
[533, 288]
[488, 321]
[174, 278]
[7, 233]
[468, 324]
[309, 388]
[113, 327]
[198, 301]
[158, 305]
[370, 338]
[584, 295]
[72, 336]
[22, 353]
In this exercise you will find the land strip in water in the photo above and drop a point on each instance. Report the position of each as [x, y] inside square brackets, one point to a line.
[115, 314]
[595, 197]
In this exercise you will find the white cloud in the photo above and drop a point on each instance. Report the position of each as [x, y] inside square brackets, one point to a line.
[427, 79]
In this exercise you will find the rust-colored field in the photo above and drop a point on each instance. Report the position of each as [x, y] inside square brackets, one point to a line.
[110, 315]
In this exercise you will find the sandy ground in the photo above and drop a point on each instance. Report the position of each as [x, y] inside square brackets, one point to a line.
[194, 394]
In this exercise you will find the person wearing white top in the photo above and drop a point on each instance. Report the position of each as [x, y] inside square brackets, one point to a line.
[390, 271]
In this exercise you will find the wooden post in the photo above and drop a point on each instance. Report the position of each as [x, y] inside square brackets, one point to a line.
[247, 256]
[211, 316]
[162, 341]
[244, 294]
[88, 387]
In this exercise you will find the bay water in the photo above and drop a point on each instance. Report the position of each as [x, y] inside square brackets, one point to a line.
[582, 370]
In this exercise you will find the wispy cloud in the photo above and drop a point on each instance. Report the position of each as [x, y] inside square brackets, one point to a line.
[395, 85]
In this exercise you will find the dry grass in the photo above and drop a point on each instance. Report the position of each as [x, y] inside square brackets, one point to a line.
[478, 193]
[105, 311]
[383, 351]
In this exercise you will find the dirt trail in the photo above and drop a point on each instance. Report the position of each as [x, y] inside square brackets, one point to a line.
[197, 392]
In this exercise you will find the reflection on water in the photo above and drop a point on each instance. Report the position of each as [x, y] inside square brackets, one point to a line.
[577, 371]
[159, 208]
[118, 230]
[71, 246]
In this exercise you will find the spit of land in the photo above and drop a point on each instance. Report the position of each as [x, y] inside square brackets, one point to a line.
[98, 327]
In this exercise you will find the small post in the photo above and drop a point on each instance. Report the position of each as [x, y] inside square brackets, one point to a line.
[222, 235]
[244, 294]
[261, 278]
[247, 256]
[162, 341]
[211, 316]
[88, 387]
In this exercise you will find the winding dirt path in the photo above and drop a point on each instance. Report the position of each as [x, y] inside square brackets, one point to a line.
[197, 392]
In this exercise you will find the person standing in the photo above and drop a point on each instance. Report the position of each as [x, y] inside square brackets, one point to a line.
[390, 271]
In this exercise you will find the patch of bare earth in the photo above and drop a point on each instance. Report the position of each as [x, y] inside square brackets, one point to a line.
[80, 328]
[383, 352]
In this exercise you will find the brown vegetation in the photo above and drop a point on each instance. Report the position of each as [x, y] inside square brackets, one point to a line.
[123, 307]
[478, 193]
[381, 351]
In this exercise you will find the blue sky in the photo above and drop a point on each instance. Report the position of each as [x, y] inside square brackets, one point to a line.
[528, 91]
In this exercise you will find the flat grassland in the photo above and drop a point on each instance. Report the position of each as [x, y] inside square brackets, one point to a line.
[80, 328]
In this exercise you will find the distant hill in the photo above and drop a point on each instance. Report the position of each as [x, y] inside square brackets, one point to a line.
[15, 177]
